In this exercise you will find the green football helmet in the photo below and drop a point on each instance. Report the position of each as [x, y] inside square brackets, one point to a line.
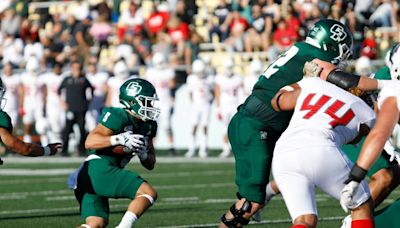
[333, 37]
[392, 60]
[139, 97]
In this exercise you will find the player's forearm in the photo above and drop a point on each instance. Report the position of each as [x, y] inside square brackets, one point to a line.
[371, 149]
[97, 141]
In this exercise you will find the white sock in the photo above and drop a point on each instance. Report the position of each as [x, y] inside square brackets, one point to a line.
[203, 142]
[128, 220]
[226, 148]
[269, 191]
[192, 143]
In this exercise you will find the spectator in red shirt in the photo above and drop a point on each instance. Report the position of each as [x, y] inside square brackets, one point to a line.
[158, 19]
[284, 37]
[178, 32]
[369, 46]
[237, 26]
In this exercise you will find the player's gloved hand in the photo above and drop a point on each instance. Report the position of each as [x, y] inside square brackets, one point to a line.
[356, 175]
[356, 91]
[52, 149]
[142, 151]
[390, 150]
[127, 139]
[311, 69]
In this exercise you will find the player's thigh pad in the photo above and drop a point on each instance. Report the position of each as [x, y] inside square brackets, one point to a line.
[331, 171]
[296, 187]
[109, 180]
[252, 156]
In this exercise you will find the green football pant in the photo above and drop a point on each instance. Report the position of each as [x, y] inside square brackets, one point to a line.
[252, 148]
[100, 179]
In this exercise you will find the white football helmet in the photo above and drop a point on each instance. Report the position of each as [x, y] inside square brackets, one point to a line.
[363, 66]
[228, 66]
[32, 65]
[256, 67]
[198, 67]
[159, 60]
[121, 70]
[392, 60]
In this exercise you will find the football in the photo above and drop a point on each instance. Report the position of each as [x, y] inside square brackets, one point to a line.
[120, 149]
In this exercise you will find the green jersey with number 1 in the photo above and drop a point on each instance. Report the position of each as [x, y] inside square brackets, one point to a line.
[286, 70]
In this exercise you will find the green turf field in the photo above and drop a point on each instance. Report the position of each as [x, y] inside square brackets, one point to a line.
[191, 194]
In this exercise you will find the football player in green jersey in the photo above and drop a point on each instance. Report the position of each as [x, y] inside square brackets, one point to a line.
[102, 175]
[14, 144]
[255, 128]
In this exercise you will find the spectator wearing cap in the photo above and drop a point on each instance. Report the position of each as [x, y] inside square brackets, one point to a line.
[80, 41]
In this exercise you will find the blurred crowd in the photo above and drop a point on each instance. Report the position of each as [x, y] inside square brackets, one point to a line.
[46, 47]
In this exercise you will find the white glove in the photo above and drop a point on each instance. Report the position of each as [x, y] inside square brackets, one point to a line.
[128, 139]
[311, 69]
[391, 151]
[346, 195]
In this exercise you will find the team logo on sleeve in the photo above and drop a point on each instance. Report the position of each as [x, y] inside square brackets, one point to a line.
[133, 89]
[338, 33]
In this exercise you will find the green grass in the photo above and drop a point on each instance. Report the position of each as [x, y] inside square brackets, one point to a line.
[190, 194]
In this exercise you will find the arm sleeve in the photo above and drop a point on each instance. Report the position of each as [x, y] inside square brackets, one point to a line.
[343, 79]
[5, 121]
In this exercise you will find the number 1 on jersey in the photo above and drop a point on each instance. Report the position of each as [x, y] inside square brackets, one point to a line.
[331, 110]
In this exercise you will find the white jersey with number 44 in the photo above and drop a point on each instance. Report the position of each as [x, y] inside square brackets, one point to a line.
[325, 115]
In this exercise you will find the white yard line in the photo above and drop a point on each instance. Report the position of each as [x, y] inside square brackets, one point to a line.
[35, 172]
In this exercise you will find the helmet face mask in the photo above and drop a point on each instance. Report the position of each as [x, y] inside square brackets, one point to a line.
[139, 98]
[332, 37]
[3, 100]
[393, 62]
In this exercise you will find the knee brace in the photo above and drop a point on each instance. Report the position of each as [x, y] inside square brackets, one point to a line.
[149, 197]
[237, 215]
[85, 225]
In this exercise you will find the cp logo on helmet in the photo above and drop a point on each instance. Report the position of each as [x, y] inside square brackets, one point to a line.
[338, 33]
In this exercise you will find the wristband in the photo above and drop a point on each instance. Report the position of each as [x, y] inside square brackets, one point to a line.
[115, 140]
[46, 151]
[382, 83]
[357, 174]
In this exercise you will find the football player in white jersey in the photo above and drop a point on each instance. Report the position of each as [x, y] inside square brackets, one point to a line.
[256, 68]
[31, 97]
[99, 82]
[121, 74]
[200, 86]
[388, 109]
[12, 83]
[228, 87]
[163, 78]
[55, 114]
[308, 154]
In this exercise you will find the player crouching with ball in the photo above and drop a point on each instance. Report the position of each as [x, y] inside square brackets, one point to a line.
[121, 134]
